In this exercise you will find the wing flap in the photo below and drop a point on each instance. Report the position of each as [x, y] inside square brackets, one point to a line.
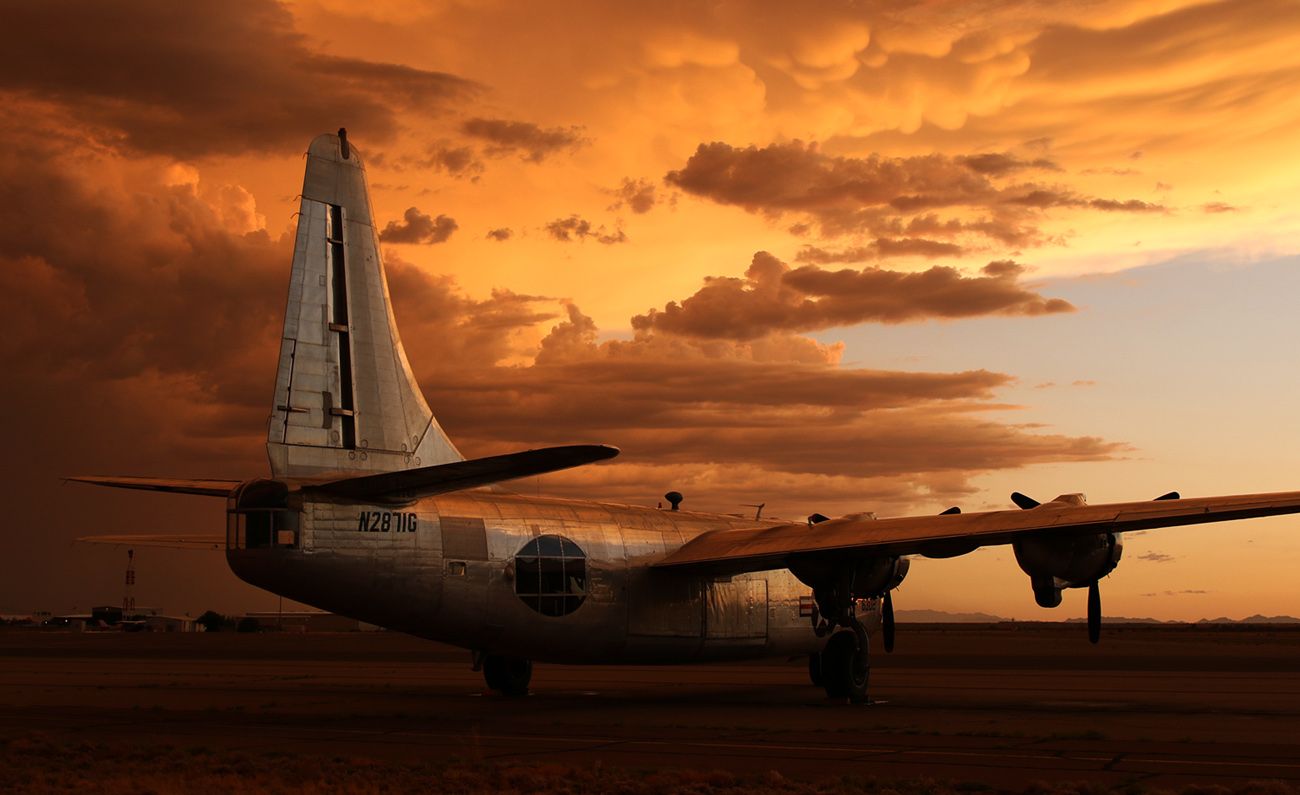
[409, 484]
[205, 543]
[758, 549]
[207, 487]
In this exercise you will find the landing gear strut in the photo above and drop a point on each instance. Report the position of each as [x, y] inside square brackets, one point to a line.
[508, 676]
[845, 666]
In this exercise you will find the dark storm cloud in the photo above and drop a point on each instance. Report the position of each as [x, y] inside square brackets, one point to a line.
[879, 194]
[795, 176]
[1156, 557]
[150, 300]
[116, 286]
[458, 161]
[638, 195]
[998, 164]
[530, 141]
[775, 408]
[771, 297]
[153, 76]
[449, 330]
[881, 248]
[418, 227]
[575, 228]
[1044, 198]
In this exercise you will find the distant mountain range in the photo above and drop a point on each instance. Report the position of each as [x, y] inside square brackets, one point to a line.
[942, 617]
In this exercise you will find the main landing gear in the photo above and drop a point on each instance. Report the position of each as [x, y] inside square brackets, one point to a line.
[846, 667]
[838, 586]
[508, 676]
[843, 666]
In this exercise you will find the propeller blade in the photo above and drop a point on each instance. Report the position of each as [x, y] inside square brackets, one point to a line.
[954, 509]
[1022, 502]
[1173, 495]
[1094, 612]
[887, 621]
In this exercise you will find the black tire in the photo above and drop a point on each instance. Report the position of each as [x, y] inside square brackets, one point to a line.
[815, 669]
[508, 676]
[844, 670]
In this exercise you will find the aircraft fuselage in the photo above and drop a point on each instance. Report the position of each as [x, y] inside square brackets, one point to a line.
[549, 579]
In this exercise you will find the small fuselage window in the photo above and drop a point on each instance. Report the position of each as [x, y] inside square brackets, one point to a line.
[551, 575]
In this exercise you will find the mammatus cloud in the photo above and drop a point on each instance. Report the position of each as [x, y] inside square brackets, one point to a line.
[772, 297]
[575, 228]
[530, 142]
[418, 227]
[152, 76]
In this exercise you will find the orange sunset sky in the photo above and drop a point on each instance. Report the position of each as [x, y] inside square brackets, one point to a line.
[829, 256]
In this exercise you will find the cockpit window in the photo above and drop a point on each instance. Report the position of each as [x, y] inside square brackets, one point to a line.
[551, 575]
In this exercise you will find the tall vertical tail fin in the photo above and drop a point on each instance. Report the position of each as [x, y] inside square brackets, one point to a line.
[345, 396]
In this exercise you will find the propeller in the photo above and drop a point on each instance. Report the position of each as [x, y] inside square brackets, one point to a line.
[887, 621]
[1022, 502]
[1094, 612]
[1094, 590]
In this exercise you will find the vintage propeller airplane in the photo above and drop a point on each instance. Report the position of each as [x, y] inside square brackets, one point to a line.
[371, 512]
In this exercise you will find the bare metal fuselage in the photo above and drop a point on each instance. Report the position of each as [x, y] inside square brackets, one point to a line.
[445, 582]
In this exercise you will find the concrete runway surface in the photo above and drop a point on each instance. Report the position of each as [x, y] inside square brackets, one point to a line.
[1006, 705]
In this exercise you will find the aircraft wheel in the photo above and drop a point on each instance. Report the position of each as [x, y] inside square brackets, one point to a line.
[844, 668]
[509, 676]
[815, 669]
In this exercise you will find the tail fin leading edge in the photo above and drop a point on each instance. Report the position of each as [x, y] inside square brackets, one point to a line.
[345, 397]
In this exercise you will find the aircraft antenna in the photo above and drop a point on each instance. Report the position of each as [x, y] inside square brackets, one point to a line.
[128, 594]
[758, 508]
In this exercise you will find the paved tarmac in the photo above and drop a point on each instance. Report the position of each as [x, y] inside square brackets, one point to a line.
[1004, 705]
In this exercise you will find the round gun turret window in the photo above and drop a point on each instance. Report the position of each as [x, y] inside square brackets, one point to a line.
[551, 575]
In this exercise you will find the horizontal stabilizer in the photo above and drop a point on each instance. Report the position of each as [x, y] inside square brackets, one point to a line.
[205, 487]
[208, 543]
[410, 484]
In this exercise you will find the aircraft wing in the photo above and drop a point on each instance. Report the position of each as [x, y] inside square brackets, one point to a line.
[763, 548]
[207, 543]
[443, 478]
[205, 487]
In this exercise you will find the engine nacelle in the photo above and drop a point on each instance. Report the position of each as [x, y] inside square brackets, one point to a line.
[869, 577]
[1070, 561]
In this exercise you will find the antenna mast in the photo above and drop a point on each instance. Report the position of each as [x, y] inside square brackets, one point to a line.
[128, 595]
